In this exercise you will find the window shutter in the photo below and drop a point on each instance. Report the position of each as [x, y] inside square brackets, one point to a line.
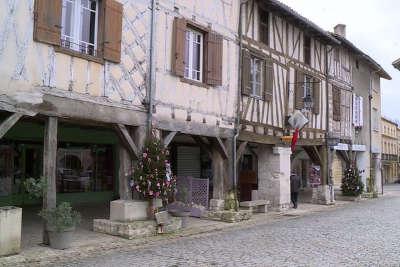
[113, 12]
[316, 95]
[47, 21]
[299, 90]
[336, 103]
[246, 66]
[269, 80]
[178, 57]
[355, 114]
[213, 72]
[361, 110]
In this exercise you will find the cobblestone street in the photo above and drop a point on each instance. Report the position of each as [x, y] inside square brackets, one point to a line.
[360, 234]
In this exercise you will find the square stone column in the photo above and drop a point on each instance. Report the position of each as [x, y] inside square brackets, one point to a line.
[274, 175]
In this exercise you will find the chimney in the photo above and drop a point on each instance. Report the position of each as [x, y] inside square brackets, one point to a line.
[340, 29]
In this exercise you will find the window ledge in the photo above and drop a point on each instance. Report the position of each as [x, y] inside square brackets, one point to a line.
[196, 83]
[73, 53]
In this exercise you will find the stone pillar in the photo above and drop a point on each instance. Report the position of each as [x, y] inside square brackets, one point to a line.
[274, 176]
[324, 193]
[377, 172]
[49, 167]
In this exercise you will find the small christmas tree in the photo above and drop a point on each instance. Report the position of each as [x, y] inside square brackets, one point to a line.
[152, 176]
[351, 182]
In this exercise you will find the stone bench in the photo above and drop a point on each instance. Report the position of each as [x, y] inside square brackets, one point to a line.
[259, 206]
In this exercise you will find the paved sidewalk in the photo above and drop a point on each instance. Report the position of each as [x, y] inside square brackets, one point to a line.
[89, 243]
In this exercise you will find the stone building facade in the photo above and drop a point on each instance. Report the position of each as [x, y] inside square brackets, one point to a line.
[389, 151]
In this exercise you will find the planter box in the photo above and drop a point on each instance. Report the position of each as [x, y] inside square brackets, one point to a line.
[10, 230]
[130, 210]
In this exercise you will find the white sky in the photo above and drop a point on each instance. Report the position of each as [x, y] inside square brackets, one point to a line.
[371, 25]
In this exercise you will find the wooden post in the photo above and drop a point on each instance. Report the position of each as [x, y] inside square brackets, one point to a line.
[49, 167]
[324, 154]
[218, 174]
[124, 172]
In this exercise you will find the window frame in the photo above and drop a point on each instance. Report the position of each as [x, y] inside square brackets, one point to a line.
[253, 75]
[189, 65]
[76, 25]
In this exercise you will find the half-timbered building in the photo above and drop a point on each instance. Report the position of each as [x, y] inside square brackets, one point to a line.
[283, 70]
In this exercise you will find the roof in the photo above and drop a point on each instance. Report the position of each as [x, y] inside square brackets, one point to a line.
[396, 64]
[389, 120]
[299, 20]
[363, 55]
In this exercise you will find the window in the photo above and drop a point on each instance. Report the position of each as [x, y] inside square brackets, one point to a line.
[264, 32]
[357, 64]
[308, 86]
[256, 74]
[307, 50]
[194, 55]
[375, 120]
[79, 26]
[90, 29]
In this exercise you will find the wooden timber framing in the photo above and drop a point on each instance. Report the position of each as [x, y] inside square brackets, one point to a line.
[75, 109]
[192, 128]
[9, 123]
[219, 145]
[240, 151]
[126, 138]
[49, 167]
[285, 48]
[168, 138]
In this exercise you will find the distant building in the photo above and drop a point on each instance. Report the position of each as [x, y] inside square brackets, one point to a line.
[390, 151]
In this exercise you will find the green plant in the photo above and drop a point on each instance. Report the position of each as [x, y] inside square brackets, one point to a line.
[231, 201]
[61, 218]
[152, 176]
[351, 182]
[35, 187]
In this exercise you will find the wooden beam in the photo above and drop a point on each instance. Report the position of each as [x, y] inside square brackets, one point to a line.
[220, 146]
[240, 151]
[9, 123]
[192, 128]
[168, 138]
[49, 167]
[317, 154]
[203, 145]
[127, 139]
[259, 138]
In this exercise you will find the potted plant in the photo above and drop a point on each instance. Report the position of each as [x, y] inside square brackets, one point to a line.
[61, 222]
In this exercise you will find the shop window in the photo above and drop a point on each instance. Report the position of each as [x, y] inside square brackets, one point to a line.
[85, 169]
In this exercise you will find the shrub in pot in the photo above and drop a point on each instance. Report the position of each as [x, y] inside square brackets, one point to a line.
[61, 222]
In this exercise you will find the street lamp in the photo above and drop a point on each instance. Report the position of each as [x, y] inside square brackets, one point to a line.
[308, 102]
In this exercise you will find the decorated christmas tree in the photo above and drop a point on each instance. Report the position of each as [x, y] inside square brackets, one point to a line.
[351, 182]
[152, 176]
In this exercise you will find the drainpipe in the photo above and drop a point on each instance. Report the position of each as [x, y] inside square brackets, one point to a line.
[237, 119]
[151, 81]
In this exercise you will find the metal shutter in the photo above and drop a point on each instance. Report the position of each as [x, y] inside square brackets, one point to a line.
[188, 161]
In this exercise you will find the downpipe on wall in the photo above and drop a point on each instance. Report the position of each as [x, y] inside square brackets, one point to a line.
[151, 83]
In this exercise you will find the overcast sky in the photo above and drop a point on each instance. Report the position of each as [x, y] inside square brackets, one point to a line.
[373, 26]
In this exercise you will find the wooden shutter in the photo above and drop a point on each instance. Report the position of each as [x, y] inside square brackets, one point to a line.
[316, 95]
[47, 21]
[179, 41]
[113, 12]
[246, 66]
[299, 90]
[336, 103]
[213, 71]
[268, 80]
